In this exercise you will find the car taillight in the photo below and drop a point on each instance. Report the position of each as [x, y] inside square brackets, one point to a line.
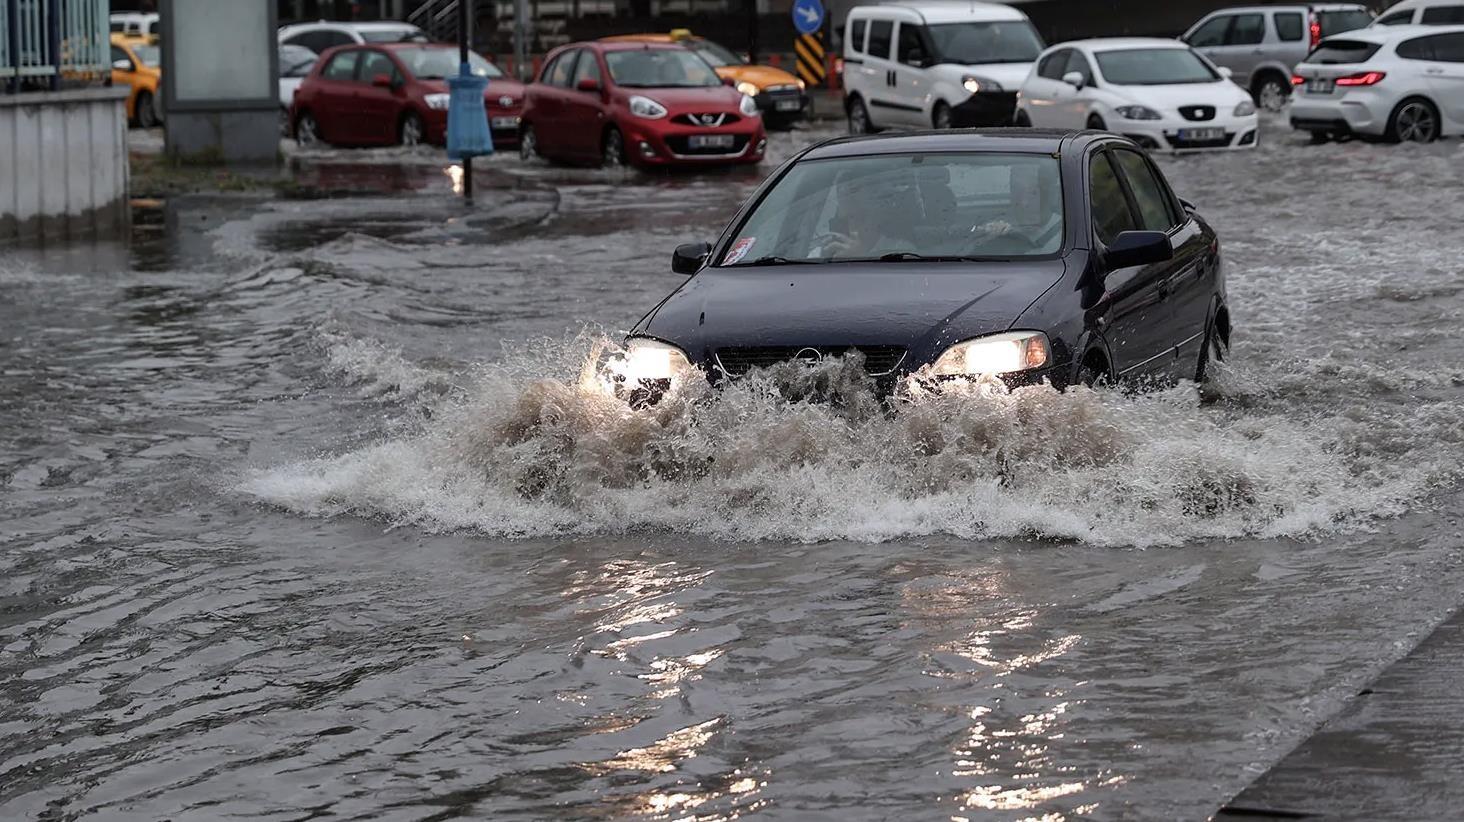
[1297, 80]
[1316, 31]
[1366, 78]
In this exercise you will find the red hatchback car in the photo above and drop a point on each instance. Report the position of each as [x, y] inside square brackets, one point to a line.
[642, 104]
[395, 93]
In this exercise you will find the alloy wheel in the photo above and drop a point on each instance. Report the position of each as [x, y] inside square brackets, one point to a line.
[528, 144]
[614, 149]
[412, 131]
[1271, 96]
[306, 133]
[1416, 123]
[942, 116]
[858, 118]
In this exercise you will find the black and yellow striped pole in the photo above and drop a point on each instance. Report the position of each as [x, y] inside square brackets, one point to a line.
[812, 67]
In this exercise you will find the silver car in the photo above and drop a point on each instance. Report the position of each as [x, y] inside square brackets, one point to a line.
[1262, 44]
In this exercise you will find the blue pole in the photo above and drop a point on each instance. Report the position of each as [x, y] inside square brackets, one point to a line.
[53, 41]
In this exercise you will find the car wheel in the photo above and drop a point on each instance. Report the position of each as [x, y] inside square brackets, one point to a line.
[612, 149]
[1095, 122]
[1319, 137]
[1093, 373]
[412, 132]
[941, 118]
[859, 118]
[307, 131]
[1415, 120]
[1022, 120]
[147, 115]
[528, 143]
[1271, 92]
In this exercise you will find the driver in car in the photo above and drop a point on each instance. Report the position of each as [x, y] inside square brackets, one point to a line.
[1032, 221]
[870, 220]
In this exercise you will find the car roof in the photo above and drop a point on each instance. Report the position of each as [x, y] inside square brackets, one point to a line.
[643, 38]
[1115, 43]
[1414, 5]
[625, 45]
[1292, 7]
[993, 140]
[949, 11]
[1386, 34]
[382, 25]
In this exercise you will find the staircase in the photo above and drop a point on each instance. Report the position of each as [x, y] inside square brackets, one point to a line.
[439, 18]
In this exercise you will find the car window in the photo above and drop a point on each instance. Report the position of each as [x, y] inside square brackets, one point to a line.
[912, 49]
[1079, 63]
[716, 54]
[1448, 48]
[881, 36]
[1054, 65]
[1341, 52]
[1149, 195]
[1155, 67]
[1249, 30]
[587, 69]
[1419, 48]
[856, 35]
[1211, 32]
[1442, 15]
[404, 34]
[956, 205]
[342, 66]
[563, 69]
[337, 38]
[1000, 41]
[1289, 26]
[1397, 18]
[374, 63]
[1111, 215]
[660, 68]
[1337, 22]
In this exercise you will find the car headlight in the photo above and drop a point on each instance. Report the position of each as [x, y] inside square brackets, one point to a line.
[1245, 108]
[995, 355]
[802, 86]
[750, 89]
[647, 108]
[976, 85]
[1137, 113]
[748, 107]
[438, 102]
[646, 359]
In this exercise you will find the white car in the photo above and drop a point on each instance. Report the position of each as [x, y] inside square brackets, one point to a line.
[136, 24]
[1402, 83]
[295, 65]
[1424, 12]
[934, 64]
[324, 35]
[1160, 93]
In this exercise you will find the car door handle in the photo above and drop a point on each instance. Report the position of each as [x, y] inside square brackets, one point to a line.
[1433, 71]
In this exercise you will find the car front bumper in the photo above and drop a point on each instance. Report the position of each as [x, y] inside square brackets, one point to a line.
[1176, 133]
[669, 145]
[1355, 112]
[985, 109]
[782, 103]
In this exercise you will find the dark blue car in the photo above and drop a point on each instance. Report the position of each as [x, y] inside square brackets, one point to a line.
[1025, 255]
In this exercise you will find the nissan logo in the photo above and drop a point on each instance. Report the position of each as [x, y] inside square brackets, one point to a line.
[505, 101]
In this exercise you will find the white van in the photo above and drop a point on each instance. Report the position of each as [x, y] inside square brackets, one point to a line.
[1423, 12]
[935, 64]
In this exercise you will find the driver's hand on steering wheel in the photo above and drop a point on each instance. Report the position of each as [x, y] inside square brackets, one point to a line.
[991, 230]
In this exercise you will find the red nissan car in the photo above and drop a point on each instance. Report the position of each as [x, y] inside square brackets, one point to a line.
[642, 104]
[395, 93]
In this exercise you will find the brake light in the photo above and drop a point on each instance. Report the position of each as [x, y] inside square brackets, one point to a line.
[1316, 31]
[1297, 80]
[1367, 78]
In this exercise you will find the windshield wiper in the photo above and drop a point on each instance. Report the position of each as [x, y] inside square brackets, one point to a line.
[912, 257]
[775, 260]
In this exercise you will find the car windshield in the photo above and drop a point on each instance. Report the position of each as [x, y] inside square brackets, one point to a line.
[660, 68]
[401, 35]
[904, 208]
[149, 55]
[716, 54]
[1008, 41]
[1336, 22]
[440, 63]
[1154, 67]
[1334, 52]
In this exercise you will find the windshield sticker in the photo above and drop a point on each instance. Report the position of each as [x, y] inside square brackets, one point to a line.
[739, 250]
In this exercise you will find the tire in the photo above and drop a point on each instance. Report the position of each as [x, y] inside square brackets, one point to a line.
[307, 131]
[1210, 348]
[1318, 137]
[1022, 120]
[1090, 375]
[612, 149]
[1415, 120]
[1095, 123]
[1271, 91]
[528, 144]
[941, 117]
[147, 115]
[411, 133]
[859, 122]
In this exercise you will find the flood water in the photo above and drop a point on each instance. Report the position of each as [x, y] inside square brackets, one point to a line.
[304, 515]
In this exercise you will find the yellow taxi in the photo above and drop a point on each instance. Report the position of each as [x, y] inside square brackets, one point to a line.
[781, 97]
[137, 63]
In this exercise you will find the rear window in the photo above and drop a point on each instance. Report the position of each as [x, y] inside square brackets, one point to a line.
[1343, 51]
[1443, 15]
[1336, 22]
[1289, 26]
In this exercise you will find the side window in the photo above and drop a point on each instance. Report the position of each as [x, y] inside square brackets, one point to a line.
[881, 36]
[1249, 30]
[337, 38]
[563, 69]
[1212, 32]
[342, 66]
[1419, 48]
[856, 35]
[1288, 26]
[912, 49]
[1149, 195]
[1054, 65]
[1397, 18]
[548, 70]
[1111, 215]
[119, 54]
[1442, 16]
[588, 69]
[1077, 62]
[375, 63]
[1449, 48]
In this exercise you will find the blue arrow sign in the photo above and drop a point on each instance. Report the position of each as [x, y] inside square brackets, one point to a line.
[807, 16]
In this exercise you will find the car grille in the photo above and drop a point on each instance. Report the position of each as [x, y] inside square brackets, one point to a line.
[710, 119]
[1197, 114]
[878, 359]
[681, 146]
[1222, 142]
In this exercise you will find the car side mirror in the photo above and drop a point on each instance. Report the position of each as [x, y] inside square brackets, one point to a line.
[1074, 79]
[587, 84]
[122, 65]
[1226, 72]
[688, 259]
[382, 81]
[1134, 248]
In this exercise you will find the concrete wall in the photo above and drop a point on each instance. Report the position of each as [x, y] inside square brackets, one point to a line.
[63, 164]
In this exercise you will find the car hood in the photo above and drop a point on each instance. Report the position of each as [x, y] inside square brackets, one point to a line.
[921, 306]
[1224, 95]
[1009, 75]
[761, 76]
[679, 100]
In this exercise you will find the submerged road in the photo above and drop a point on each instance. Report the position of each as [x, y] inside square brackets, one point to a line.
[302, 516]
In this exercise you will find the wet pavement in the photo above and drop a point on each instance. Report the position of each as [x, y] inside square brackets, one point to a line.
[304, 514]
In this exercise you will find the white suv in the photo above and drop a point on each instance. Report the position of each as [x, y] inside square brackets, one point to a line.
[323, 35]
[1424, 12]
[935, 64]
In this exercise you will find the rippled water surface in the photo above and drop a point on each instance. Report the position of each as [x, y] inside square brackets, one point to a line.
[305, 513]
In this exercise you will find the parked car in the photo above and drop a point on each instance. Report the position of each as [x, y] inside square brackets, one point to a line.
[136, 24]
[1261, 44]
[1027, 256]
[1423, 12]
[1401, 83]
[137, 64]
[1159, 93]
[781, 97]
[395, 94]
[295, 65]
[326, 35]
[640, 104]
[935, 64]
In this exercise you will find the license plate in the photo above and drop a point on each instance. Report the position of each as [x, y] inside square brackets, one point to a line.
[505, 123]
[709, 141]
[1201, 134]
[786, 105]
[1320, 85]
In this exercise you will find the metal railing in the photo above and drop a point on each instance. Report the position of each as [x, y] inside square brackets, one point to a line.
[45, 43]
